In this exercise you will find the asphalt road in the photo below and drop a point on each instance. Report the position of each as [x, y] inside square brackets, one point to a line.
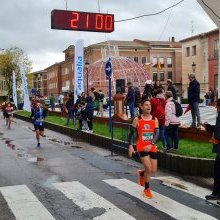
[67, 179]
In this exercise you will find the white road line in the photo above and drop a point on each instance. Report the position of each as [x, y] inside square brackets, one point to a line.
[160, 202]
[86, 199]
[184, 186]
[24, 204]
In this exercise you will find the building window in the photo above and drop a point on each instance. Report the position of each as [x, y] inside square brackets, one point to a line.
[187, 51]
[169, 62]
[194, 50]
[216, 46]
[154, 76]
[160, 63]
[66, 71]
[154, 62]
[144, 60]
[136, 59]
[169, 75]
[161, 76]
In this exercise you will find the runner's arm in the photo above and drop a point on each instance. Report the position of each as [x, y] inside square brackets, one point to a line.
[133, 129]
[156, 132]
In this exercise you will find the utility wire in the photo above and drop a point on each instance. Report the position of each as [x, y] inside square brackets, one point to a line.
[141, 16]
[210, 9]
[167, 21]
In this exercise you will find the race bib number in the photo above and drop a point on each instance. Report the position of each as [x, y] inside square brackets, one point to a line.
[147, 136]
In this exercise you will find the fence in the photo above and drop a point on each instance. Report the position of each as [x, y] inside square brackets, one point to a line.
[119, 136]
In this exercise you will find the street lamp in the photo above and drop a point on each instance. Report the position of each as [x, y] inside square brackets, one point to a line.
[87, 76]
[193, 67]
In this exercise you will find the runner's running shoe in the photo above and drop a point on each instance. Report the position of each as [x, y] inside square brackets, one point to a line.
[38, 144]
[140, 176]
[147, 193]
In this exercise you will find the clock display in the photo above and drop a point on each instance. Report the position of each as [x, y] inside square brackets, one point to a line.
[82, 21]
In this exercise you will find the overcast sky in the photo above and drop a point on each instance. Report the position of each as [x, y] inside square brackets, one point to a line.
[26, 24]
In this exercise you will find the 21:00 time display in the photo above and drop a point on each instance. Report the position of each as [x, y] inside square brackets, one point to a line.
[82, 21]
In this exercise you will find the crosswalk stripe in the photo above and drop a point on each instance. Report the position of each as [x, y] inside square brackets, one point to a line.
[24, 204]
[86, 199]
[160, 202]
[184, 186]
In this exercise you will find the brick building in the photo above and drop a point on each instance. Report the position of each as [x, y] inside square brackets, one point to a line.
[213, 58]
[200, 54]
[147, 54]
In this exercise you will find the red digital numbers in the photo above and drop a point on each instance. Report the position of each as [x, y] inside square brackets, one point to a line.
[73, 22]
[82, 21]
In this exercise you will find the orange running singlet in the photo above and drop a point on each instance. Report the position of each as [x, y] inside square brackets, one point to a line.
[145, 131]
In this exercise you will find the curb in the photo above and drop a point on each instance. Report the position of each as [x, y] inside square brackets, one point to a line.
[180, 164]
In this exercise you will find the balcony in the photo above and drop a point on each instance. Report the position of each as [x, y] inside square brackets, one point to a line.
[214, 56]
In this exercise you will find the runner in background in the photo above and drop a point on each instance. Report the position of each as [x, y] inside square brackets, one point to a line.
[147, 130]
[38, 116]
[8, 114]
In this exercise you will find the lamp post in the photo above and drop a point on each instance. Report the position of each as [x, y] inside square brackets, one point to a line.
[87, 76]
[193, 67]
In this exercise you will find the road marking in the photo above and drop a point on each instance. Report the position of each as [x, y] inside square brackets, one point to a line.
[24, 204]
[86, 199]
[160, 202]
[184, 186]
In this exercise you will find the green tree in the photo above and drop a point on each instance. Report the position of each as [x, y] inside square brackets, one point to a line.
[9, 61]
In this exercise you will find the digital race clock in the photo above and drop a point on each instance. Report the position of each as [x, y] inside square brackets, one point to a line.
[82, 21]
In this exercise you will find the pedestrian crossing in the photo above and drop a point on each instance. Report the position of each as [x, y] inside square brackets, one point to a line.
[26, 206]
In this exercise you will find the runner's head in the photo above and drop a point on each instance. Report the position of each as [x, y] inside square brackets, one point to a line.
[38, 105]
[145, 106]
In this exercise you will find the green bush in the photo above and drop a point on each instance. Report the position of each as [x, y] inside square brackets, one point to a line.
[185, 101]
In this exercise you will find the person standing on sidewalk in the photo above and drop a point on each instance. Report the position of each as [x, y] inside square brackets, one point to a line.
[216, 149]
[194, 98]
[158, 104]
[130, 98]
[172, 123]
[147, 130]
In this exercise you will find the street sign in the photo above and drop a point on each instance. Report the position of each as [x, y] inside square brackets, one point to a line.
[108, 68]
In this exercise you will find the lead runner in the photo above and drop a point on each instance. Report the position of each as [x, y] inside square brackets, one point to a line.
[147, 130]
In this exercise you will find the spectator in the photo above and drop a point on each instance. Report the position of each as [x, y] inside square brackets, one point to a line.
[52, 102]
[148, 90]
[157, 85]
[212, 95]
[171, 88]
[158, 104]
[207, 98]
[194, 98]
[89, 113]
[70, 108]
[216, 149]
[60, 100]
[172, 123]
[130, 99]
[137, 94]
[101, 97]
[95, 99]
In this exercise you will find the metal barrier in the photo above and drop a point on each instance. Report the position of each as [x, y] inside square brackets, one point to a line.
[119, 136]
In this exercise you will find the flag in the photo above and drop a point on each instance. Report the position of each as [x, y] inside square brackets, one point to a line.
[188, 108]
[78, 69]
[14, 90]
[159, 65]
[27, 104]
